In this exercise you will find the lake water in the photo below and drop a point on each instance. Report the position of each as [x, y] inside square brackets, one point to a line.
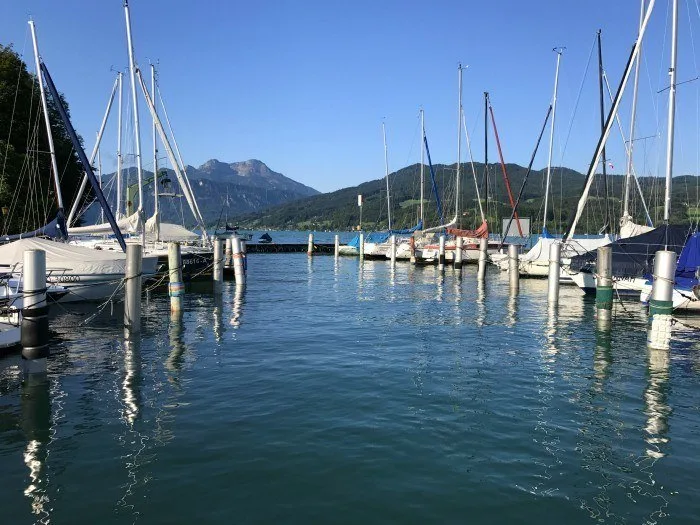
[329, 392]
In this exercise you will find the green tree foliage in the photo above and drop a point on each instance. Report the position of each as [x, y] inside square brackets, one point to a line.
[27, 196]
[339, 210]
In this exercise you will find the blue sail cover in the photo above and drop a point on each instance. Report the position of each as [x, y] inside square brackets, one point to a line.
[688, 262]
[380, 237]
[56, 229]
[545, 233]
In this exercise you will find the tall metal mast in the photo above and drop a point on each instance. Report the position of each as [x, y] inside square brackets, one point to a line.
[625, 206]
[155, 157]
[606, 224]
[558, 51]
[119, 148]
[137, 129]
[671, 113]
[422, 165]
[47, 120]
[386, 168]
[486, 151]
[459, 144]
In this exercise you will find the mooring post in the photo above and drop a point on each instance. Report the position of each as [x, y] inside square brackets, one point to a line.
[441, 253]
[412, 246]
[337, 246]
[228, 253]
[554, 273]
[218, 273]
[362, 245]
[483, 256]
[392, 250]
[310, 246]
[513, 268]
[244, 252]
[34, 331]
[661, 301]
[604, 284]
[238, 270]
[176, 288]
[459, 246]
[132, 294]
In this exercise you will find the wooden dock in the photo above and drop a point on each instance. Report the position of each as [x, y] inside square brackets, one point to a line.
[273, 247]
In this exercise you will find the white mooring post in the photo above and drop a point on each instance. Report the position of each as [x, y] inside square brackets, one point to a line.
[337, 246]
[604, 284]
[228, 253]
[176, 288]
[34, 331]
[362, 245]
[441, 253]
[483, 256]
[459, 246]
[310, 245]
[661, 301]
[218, 273]
[412, 247]
[513, 268]
[132, 294]
[392, 250]
[554, 273]
[238, 262]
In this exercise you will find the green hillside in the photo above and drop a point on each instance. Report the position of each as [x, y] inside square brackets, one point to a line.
[339, 210]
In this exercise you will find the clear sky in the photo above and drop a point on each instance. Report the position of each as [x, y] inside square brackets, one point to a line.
[305, 85]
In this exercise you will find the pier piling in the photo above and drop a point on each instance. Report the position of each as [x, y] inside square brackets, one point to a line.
[459, 245]
[554, 273]
[513, 269]
[412, 247]
[34, 331]
[604, 284]
[661, 300]
[238, 260]
[218, 273]
[132, 294]
[441, 253]
[483, 255]
[310, 246]
[228, 253]
[176, 288]
[362, 245]
[337, 246]
[392, 250]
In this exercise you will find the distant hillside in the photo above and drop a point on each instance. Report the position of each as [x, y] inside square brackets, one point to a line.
[339, 210]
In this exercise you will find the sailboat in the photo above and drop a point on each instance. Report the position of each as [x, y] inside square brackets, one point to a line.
[86, 274]
[427, 248]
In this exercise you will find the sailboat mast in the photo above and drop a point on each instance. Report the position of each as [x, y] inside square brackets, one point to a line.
[459, 144]
[558, 51]
[137, 130]
[386, 168]
[119, 147]
[155, 147]
[625, 206]
[606, 224]
[47, 120]
[671, 113]
[99, 178]
[422, 166]
[486, 151]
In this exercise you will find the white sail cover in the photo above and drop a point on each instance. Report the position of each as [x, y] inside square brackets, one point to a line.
[631, 229]
[65, 257]
[540, 251]
[126, 225]
[169, 232]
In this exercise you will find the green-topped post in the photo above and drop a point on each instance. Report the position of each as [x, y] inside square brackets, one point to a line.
[604, 284]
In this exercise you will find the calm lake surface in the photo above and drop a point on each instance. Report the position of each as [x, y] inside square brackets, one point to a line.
[330, 392]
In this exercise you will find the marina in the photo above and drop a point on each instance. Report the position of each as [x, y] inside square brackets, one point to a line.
[482, 339]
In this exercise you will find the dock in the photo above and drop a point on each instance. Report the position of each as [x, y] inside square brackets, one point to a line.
[272, 247]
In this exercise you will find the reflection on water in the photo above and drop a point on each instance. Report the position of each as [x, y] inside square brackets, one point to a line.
[36, 424]
[480, 303]
[656, 402]
[512, 310]
[218, 318]
[237, 306]
[551, 330]
[176, 329]
[602, 357]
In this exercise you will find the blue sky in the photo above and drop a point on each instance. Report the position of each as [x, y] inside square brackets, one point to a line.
[304, 86]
